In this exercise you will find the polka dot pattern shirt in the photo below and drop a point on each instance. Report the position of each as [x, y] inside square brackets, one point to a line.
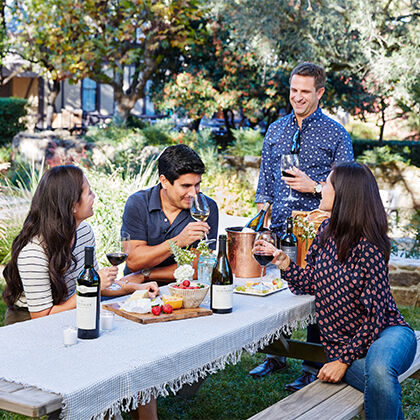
[353, 299]
[323, 142]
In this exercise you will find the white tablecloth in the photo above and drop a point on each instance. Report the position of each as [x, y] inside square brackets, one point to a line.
[126, 366]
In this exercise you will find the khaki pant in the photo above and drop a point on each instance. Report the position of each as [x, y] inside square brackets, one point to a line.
[16, 314]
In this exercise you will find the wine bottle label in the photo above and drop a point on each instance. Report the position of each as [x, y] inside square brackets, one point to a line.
[86, 289]
[86, 312]
[291, 252]
[222, 296]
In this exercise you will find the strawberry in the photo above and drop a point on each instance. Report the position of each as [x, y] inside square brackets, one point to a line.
[186, 283]
[167, 309]
[156, 310]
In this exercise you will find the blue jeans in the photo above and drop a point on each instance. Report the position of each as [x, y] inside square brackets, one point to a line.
[376, 375]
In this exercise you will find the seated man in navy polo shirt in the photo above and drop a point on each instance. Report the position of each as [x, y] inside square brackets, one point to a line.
[161, 214]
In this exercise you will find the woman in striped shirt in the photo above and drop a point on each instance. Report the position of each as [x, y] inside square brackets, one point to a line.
[48, 253]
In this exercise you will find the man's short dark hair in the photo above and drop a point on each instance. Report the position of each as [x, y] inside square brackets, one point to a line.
[179, 160]
[310, 69]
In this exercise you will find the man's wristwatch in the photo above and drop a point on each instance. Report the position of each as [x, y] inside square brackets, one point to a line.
[317, 189]
[146, 274]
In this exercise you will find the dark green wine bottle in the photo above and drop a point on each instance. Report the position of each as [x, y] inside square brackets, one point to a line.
[288, 241]
[221, 292]
[88, 299]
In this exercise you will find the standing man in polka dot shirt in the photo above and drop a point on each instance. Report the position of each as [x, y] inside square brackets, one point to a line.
[319, 142]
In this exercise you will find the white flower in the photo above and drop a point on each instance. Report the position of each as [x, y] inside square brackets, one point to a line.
[183, 272]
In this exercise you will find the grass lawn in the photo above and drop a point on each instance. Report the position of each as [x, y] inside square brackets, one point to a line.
[233, 394]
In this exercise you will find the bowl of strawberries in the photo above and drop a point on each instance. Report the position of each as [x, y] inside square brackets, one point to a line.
[192, 292]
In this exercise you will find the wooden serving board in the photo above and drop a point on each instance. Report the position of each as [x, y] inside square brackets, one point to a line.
[149, 318]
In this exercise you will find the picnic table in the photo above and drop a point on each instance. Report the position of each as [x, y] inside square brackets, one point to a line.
[133, 362]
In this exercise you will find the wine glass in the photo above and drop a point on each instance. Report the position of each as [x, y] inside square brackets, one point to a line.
[200, 211]
[263, 259]
[121, 245]
[287, 163]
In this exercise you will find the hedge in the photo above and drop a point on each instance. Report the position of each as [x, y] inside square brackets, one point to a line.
[409, 150]
[11, 111]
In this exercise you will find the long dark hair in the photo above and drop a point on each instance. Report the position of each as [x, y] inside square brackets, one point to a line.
[50, 218]
[357, 210]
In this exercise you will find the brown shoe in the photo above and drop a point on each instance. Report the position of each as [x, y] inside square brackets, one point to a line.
[270, 365]
[303, 380]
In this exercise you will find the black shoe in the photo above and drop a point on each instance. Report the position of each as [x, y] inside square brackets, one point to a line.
[270, 365]
[303, 380]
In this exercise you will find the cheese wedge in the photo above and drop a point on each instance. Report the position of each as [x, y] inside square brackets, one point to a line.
[174, 301]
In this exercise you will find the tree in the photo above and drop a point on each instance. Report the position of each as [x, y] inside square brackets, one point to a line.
[234, 71]
[41, 36]
[115, 42]
[371, 47]
[117, 35]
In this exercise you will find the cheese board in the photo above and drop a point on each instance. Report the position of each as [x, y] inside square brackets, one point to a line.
[149, 318]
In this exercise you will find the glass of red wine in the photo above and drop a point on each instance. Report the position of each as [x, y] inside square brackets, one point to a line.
[264, 258]
[120, 254]
[200, 211]
[287, 163]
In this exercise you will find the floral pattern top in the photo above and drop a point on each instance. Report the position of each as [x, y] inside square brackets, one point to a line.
[353, 299]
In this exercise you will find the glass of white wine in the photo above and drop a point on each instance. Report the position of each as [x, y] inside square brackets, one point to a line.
[200, 211]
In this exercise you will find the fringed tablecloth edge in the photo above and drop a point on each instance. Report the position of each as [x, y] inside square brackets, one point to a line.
[144, 396]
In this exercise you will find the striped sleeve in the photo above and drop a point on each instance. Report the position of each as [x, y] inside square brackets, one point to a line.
[34, 273]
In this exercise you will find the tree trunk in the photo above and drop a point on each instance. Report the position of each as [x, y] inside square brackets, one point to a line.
[123, 105]
[195, 124]
[52, 96]
[229, 124]
[382, 126]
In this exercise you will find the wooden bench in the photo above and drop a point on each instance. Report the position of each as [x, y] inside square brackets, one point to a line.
[29, 401]
[321, 400]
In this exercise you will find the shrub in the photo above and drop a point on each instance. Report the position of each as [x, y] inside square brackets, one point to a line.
[112, 191]
[11, 112]
[408, 150]
[247, 142]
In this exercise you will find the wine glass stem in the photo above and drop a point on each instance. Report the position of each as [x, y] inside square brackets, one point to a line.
[290, 193]
[261, 274]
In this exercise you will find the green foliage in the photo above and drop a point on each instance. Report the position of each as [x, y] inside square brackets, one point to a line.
[12, 110]
[380, 156]
[408, 150]
[5, 154]
[183, 256]
[247, 142]
[112, 191]
[191, 95]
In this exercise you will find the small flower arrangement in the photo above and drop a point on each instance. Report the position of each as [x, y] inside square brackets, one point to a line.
[184, 258]
[306, 231]
[203, 248]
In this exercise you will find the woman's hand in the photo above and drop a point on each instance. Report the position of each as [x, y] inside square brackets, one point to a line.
[332, 371]
[107, 276]
[264, 248]
[281, 260]
[153, 289]
[129, 287]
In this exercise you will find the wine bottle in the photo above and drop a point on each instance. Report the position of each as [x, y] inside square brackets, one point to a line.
[221, 291]
[257, 222]
[88, 299]
[288, 241]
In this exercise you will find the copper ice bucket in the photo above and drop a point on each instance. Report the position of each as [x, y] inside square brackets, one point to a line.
[239, 249]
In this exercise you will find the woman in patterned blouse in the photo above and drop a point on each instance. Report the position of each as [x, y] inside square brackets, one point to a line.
[366, 339]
